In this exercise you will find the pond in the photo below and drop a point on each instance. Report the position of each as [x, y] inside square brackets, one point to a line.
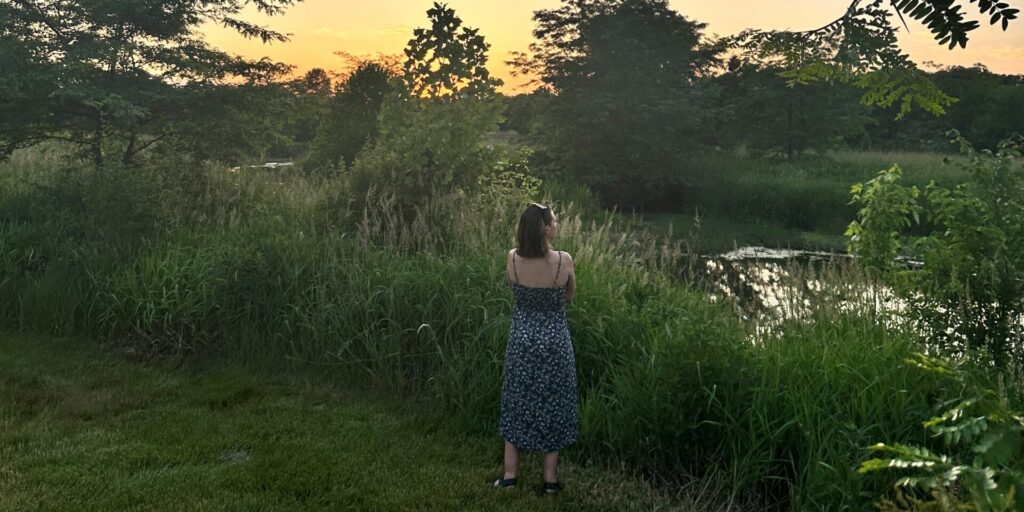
[769, 286]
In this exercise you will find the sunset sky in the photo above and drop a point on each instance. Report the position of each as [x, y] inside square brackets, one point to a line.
[318, 28]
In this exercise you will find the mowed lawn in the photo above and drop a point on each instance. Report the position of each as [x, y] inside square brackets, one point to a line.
[83, 429]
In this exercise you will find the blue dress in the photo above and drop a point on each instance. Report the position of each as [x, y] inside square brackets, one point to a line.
[539, 407]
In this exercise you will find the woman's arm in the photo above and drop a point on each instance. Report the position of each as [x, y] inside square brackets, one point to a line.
[508, 267]
[570, 285]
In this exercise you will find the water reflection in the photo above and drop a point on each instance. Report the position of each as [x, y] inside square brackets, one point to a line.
[772, 286]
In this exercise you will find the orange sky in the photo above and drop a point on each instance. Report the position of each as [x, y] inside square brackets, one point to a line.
[318, 28]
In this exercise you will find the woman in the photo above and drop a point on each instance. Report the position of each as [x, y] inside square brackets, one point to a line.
[538, 399]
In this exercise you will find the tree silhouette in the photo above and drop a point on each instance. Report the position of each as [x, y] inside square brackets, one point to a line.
[627, 106]
[117, 75]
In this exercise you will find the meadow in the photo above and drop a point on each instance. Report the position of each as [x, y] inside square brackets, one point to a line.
[286, 273]
[85, 429]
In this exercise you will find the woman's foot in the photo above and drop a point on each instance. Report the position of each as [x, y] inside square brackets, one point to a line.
[552, 487]
[505, 482]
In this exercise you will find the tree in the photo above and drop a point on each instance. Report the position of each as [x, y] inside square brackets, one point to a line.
[989, 109]
[627, 108]
[860, 47]
[432, 125]
[231, 124]
[350, 122]
[446, 63]
[316, 82]
[523, 111]
[307, 100]
[943, 17]
[117, 76]
[769, 116]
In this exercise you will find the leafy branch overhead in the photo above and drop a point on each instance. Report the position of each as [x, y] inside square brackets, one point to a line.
[860, 47]
[946, 21]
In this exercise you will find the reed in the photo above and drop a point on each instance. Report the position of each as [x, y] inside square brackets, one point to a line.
[811, 193]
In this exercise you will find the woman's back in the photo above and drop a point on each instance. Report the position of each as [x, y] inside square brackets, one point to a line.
[549, 297]
[553, 270]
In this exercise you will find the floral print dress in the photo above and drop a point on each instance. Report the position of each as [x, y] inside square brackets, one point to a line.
[539, 407]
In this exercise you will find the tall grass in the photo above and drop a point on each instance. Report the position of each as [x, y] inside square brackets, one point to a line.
[811, 193]
[280, 270]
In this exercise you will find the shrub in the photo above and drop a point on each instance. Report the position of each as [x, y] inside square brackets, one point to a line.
[982, 465]
[968, 293]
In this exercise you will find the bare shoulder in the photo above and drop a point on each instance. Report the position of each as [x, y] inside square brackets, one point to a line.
[566, 257]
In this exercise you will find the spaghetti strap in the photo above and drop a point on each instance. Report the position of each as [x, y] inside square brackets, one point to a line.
[514, 267]
[559, 267]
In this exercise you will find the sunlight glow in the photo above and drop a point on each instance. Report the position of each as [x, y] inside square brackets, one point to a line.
[319, 28]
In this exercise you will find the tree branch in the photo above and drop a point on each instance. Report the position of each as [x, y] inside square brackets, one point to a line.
[147, 144]
[42, 18]
[849, 12]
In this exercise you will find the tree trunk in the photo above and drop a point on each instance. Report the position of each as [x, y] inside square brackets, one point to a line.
[129, 152]
[790, 150]
[97, 142]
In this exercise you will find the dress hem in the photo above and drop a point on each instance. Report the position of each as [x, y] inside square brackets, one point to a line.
[539, 448]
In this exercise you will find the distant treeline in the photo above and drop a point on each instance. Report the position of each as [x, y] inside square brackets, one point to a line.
[747, 107]
[757, 109]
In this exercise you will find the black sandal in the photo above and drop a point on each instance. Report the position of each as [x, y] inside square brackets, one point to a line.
[552, 487]
[505, 482]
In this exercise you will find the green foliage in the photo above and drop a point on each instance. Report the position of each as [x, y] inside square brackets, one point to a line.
[888, 208]
[350, 123]
[239, 124]
[983, 467]
[968, 293]
[975, 259]
[766, 112]
[885, 87]
[426, 147]
[626, 113]
[432, 127]
[524, 111]
[986, 112]
[510, 183]
[769, 116]
[945, 21]
[859, 48]
[307, 103]
[446, 62]
[118, 76]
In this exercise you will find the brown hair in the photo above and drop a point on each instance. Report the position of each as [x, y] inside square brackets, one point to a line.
[530, 241]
